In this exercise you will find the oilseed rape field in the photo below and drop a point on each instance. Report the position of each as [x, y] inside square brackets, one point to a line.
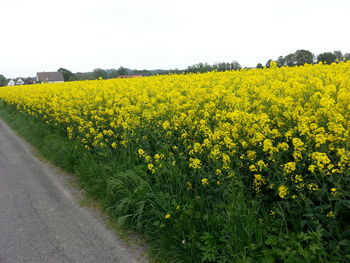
[236, 166]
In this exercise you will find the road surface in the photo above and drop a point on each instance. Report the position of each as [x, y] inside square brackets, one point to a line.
[40, 220]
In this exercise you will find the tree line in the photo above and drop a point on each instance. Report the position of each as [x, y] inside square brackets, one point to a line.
[298, 58]
[302, 56]
[116, 73]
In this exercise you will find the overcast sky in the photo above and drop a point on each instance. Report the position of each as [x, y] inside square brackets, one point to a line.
[80, 35]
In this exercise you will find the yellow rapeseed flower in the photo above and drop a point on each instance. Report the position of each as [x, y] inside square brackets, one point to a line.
[290, 122]
[205, 181]
[167, 216]
[282, 191]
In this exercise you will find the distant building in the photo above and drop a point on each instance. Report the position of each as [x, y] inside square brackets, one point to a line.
[49, 77]
[29, 81]
[131, 76]
[21, 81]
[11, 83]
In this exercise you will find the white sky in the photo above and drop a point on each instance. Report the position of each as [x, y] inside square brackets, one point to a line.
[80, 35]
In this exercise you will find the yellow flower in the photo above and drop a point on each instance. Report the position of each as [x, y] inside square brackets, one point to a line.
[267, 145]
[282, 191]
[312, 168]
[141, 152]
[197, 147]
[87, 147]
[166, 125]
[330, 214]
[298, 144]
[298, 178]
[70, 133]
[289, 167]
[321, 159]
[251, 155]
[320, 139]
[259, 181]
[189, 185]
[167, 216]
[334, 191]
[218, 172]
[231, 174]
[262, 165]
[205, 181]
[292, 118]
[253, 168]
[313, 187]
[195, 163]
[151, 168]
[283, 146]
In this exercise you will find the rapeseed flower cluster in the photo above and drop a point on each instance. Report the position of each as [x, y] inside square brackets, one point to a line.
[285, 127]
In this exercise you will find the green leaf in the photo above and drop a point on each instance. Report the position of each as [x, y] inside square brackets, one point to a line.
[268, 259]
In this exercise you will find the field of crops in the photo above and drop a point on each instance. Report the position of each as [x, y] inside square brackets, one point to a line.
[239, 165]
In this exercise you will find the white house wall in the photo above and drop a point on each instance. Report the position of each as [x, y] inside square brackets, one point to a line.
[11, 83]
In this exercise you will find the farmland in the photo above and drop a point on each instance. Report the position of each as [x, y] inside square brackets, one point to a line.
[234, 166]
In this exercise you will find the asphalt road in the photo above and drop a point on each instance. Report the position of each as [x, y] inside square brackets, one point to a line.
[40, 220]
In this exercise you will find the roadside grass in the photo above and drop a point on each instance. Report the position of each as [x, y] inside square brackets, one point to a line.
[180, 225]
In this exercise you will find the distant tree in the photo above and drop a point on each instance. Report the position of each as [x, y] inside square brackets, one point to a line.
[303, 56]
[165, 72]
[205, 67]
[67, 74]
[85, 75]
[2, 80]
[100, 73]
[235, 65]
[143, 72]
[289, 60]
[259, 65]
[346, 57]
[175, 71]
[326, 57]
[122, 71]
[221, 66]
[338, 55]
[112, 73]
[268, 63]
[281, 61]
